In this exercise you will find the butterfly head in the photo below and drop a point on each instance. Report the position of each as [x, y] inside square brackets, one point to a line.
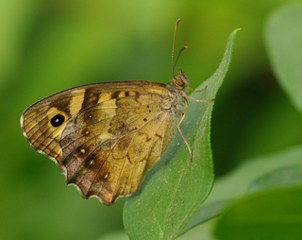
[180, 81]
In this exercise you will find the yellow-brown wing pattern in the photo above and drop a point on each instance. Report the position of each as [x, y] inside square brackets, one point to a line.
[105, 137]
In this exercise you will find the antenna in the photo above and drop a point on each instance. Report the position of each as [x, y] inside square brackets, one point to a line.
[173, 44]
[173, 47]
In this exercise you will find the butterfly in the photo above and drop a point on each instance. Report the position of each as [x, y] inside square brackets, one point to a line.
[106, 136]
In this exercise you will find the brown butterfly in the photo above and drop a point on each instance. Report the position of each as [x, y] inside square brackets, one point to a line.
[106, 136]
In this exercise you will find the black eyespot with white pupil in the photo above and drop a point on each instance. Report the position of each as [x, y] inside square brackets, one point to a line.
[57, 120]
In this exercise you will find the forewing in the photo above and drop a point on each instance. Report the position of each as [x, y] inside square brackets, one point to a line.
[111, 134]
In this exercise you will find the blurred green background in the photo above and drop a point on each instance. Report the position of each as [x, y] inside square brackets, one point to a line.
[51, 45]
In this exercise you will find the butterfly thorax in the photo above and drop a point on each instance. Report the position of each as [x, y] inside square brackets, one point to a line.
[177, 87]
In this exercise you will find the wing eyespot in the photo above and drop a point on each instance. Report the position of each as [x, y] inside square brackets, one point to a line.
[57, 120]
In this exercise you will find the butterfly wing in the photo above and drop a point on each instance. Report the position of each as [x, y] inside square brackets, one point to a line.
[104, 137]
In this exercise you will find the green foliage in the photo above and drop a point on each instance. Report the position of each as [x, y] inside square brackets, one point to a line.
[256, 175]
[274, 214]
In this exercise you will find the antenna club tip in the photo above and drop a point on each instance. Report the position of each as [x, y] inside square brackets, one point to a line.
[178, 20]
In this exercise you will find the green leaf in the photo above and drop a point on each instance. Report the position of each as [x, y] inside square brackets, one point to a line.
[285, 176]
[236, 183]
[280, 169]
[274, 214]
[283, 35]
[175, 189]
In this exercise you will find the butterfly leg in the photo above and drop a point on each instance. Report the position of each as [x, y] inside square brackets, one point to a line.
[198, 90]
[200, 100]
[192, 90]
[183, 137]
